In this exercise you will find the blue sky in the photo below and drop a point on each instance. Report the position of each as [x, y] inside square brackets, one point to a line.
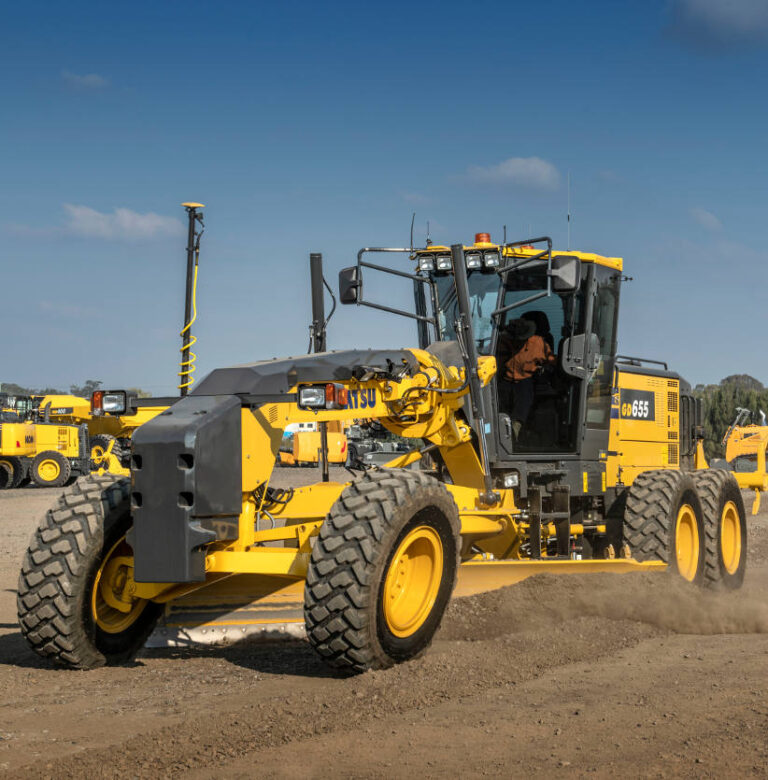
[323, 126]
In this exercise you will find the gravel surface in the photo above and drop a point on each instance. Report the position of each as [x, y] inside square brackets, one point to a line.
[585, 675]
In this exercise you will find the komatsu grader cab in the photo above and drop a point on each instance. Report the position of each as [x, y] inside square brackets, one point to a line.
[602, 471]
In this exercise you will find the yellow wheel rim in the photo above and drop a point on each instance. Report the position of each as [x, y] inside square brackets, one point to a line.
[687, 542]
[730, 537]
[413, 581]
[49, 470]
[97, 453]
[112, 607]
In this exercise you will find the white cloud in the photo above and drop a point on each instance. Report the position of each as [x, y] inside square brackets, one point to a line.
[86, 81]
[120, 224]
[722, 21]
[532, 172]
[706, 219]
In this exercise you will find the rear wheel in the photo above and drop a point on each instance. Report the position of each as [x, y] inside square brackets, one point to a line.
[74, 601]
[50, 469]
[382, 570]
[11, 472]
[664, 521]
[726, 524]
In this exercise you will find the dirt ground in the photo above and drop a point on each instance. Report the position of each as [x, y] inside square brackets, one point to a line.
[598, 675]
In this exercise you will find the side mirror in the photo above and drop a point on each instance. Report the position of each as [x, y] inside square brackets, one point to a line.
[350, 285]
[581, 357]
[566, 273]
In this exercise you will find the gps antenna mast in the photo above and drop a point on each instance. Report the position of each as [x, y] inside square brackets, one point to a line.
[188, 357]
[569, 210]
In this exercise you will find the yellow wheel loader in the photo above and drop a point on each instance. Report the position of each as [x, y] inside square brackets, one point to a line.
[593, 466]
[47, 453]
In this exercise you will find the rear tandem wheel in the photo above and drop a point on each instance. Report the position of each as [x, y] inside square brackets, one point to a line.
[724, 513]
[664, 521]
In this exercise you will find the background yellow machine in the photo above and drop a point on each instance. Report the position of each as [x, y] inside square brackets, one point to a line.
[113, 417]
[67, 436]
[304, 448]
[746, 443]
[50, 454]
[604, 473]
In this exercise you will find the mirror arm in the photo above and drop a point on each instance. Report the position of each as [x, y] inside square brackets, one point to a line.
[380, 307]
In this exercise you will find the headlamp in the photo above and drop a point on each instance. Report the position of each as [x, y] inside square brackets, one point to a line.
[426, 263]
[474, 260]
[113, 403]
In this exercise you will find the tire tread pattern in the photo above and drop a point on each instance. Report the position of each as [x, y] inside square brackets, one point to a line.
[647, 518]
[339, 587]
[55, 570]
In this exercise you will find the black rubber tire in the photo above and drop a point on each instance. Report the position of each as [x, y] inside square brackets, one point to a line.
[653, 502]
[716, 488]
[65, 469]
[58, 573]
[343, 610]
[103, 440]
[12, 472]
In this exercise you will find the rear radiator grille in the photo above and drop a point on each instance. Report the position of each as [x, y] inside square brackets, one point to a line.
[672, 402]
[673, 455]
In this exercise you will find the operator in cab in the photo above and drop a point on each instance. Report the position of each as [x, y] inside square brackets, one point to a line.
[521, 353]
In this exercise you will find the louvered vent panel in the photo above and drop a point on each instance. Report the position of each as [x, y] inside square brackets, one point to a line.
[673, 455]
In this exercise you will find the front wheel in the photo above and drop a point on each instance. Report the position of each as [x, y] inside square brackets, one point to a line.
[74, 595]
[382, 570]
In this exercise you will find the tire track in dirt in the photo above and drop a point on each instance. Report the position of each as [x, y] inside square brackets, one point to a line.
[490, 643]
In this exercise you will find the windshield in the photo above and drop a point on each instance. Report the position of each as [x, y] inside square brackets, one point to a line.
[554, 314]
[483, 297]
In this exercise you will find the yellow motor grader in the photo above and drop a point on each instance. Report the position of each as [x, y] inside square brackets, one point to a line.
[603, 472]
